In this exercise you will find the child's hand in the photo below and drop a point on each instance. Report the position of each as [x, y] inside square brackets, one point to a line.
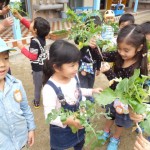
[20, 45]
[92, 43]
[5, 10]
[72, 121]
[31, 138]
[97, 90]
[7, 22]
[97, 72]
[135, 117]
[141, 143]
[104, 67]
[17, 15]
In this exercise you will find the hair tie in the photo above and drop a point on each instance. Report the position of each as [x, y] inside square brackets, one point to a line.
[145, 54]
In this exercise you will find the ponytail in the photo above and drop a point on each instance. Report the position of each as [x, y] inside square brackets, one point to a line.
[47, 71]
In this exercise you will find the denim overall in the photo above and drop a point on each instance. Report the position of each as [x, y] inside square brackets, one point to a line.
[63, 138]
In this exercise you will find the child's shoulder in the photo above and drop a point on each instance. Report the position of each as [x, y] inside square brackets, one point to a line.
[12, 79]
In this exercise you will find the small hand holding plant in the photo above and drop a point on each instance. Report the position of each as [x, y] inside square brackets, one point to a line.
[131, 91]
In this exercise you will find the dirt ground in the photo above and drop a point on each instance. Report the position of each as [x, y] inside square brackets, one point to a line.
[20, 67]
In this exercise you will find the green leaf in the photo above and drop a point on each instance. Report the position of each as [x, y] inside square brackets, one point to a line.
[73, 129]
[63, 118]
[146, 124]
[105, 97]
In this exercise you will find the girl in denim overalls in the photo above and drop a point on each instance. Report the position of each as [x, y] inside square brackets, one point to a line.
[62, 89]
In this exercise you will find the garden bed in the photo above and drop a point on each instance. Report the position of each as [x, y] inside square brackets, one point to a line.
[59, 34]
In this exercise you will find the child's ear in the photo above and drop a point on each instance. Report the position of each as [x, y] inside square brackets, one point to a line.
[35, 30]
[56, 68]
[139, 49]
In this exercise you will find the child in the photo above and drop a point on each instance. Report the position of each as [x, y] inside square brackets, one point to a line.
[62, 89]
[89, 62]
[126, 19]
[107, 29]
[131, 54]
[36, 53]
[16, 118]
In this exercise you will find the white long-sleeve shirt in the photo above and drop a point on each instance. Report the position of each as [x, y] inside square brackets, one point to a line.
[50, 100]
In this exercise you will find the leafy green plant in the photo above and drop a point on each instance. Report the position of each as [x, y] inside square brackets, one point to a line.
[115, 26]
[106, 45]
[84, 30]
[87, 113]
[132, 92]
[16, 6]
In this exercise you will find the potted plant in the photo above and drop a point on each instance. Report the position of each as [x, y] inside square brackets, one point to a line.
[56, 35]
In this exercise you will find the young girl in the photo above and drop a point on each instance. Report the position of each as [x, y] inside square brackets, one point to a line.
[131, 54]
[62, 89]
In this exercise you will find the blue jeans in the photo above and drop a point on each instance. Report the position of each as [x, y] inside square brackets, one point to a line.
[121, 120]
[87, 81]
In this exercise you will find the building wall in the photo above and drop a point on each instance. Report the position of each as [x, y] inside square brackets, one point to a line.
[88, 3]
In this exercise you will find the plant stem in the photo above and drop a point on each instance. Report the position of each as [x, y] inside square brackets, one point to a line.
[100, 52]
[139, 128]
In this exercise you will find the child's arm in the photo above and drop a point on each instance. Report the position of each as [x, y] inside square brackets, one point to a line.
[32, 53]
[24, 21]
[90, 92]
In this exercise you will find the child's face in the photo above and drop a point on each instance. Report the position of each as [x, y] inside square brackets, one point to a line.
[126, 51]
[123, 24]
[109, 19]
[68, 70]
[4, 64]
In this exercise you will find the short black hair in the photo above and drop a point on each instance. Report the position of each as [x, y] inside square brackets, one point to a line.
[127, 17]
[146, 27]
[42, 26]
[6, 2]
[96, 20]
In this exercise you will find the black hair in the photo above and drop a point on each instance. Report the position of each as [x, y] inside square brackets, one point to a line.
[60, 52]
[42, 26]
[96, 19]
[146, 27]
[133, 35]
[127, 17]
[6, 2]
